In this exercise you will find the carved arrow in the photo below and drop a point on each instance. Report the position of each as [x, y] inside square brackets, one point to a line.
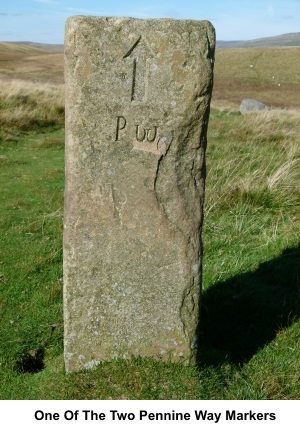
[139, 70]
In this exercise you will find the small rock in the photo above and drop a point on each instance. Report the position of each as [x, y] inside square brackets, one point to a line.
[250, 105]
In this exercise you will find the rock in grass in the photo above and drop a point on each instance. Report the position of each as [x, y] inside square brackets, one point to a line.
[138, 95]
[251, 105]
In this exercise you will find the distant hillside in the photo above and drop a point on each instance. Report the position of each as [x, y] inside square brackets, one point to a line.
[270, 74]
[44, 46]
[31, 61]
[289, 39]
[17, 51]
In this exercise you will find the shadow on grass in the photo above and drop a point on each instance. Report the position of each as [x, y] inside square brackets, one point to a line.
[243, 314]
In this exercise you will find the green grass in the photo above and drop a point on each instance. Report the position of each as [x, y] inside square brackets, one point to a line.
[250, 306]
[250, 330]
[32, 174]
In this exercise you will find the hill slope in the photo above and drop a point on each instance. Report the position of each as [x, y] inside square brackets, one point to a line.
[22, 61]
[45, 46]
[271, 75]
[288, 39]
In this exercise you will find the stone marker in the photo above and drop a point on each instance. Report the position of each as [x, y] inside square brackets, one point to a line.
[251, 105]
[137, 108]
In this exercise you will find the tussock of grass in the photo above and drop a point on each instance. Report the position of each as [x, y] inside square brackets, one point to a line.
[27, 105]
[260, 161]
[251, 300]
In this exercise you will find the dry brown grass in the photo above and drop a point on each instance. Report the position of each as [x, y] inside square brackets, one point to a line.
[25, 104]
[274, 77]
[261, 158]
[271, 75]
[30, 63]
[31, 88]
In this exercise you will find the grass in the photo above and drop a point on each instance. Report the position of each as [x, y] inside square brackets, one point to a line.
[25, 105]
[250, 330]
[271, 75]
[250, 306]
[29, 63]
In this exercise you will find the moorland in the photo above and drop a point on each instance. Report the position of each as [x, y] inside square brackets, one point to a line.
[250, 327]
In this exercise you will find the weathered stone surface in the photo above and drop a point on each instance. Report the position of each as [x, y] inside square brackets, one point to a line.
[137, 107]
[251, 105]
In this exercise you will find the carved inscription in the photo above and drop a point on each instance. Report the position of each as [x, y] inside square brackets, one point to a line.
[128, 54]
[140, 64]
[145, 134]
[141, 134]
[143, 139]
[121, 124]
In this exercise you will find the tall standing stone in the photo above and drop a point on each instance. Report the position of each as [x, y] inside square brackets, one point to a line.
[137, 108]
